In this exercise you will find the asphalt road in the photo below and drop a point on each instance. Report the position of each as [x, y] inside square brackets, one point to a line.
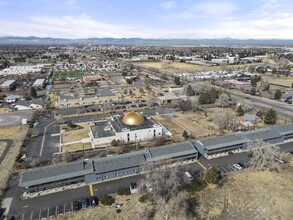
[283, 109]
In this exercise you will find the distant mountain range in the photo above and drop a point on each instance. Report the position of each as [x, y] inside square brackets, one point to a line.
[140, 41]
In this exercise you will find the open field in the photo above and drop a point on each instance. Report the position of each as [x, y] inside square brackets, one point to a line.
[8, 131]
[3, 110]
[8, 162]
[2, 147]
[282, 81]
[177, 67]
[69, 74]
[76, 135]
[174, 128]
[76, 147]
[197, 124]
[269, 198]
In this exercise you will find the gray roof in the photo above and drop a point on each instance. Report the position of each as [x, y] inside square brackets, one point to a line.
[249, 117]
[171, 151]
[39, 82]
[37, 102]
[285, 129]
[48, 174]
[222, 141]
[105, 92]
[100, 130]
[22, 103]
[263, 134]
[119, 162]
[7, 83]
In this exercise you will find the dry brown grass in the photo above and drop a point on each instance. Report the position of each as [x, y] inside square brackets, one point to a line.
[3, 111]
[197, 124]
[7, 164]
[8, 131]
[2, 147]
[76, 135]
[174, 128]
[282, 81]
[76, 147]
[177, 67]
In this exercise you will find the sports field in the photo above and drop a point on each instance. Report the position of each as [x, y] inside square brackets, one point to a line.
[69, 74]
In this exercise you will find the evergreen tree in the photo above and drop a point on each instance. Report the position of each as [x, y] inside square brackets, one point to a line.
[240, 111]
[33, 92]
[278, 94]
[185, 134]
[270, 117]
[190, 91]
[177, 81]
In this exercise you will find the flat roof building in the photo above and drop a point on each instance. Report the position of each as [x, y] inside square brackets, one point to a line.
[8, 85]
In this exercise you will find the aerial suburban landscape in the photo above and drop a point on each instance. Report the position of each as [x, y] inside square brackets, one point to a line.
[165, 110]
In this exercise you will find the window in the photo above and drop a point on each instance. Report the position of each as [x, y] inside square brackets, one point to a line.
[106, 176]
[117, 174]
[125, 172]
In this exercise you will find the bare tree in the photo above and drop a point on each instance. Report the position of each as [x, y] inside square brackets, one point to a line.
[223, 100]
[163, 183]
[226, 119]
[265, 157]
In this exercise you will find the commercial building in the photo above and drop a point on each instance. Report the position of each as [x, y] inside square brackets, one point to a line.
[39, 84]
[171, 99]
[101, 169]
[130, 127]
[8, 85]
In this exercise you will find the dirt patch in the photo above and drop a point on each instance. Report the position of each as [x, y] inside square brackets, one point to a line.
[3, 110]
[8, 131]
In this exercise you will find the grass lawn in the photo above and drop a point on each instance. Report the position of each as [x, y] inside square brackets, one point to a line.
[70, 74]
[76, 147]
[8, 131]
[282, 81]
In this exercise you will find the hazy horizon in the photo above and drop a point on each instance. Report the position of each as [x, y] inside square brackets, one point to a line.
[163, 19]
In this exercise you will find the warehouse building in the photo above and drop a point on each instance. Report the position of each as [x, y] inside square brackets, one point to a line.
[8, 85]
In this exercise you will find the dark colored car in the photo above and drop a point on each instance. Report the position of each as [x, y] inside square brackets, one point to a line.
[84, 203]
[76, 205]
[94, 201]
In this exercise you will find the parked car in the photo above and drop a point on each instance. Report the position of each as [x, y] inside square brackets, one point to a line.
[76, 205]
[189, 175]
[237, 166]
[84, 203]
[94, 201]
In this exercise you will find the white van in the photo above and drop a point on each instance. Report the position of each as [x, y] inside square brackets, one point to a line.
[189, 176]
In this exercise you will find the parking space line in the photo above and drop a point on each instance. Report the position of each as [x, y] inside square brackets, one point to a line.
[48, 213]
[64, 208]
[22, 217]
[40, 214]
[225, 170]
[56, 210]
[32, 215]
[229, 168]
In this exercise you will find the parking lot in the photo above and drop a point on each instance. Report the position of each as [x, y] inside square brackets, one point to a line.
[228, 168]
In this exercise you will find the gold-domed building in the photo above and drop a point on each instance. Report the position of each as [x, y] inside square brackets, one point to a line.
[132, 118]
[130, 127]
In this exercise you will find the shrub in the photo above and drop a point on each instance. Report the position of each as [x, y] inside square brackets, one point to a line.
[143, 198]
[107, 200]
[123, 191]
[114, 143]
[196, 185]
[213, 175]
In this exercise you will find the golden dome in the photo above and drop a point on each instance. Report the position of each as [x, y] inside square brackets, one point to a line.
[133, 118]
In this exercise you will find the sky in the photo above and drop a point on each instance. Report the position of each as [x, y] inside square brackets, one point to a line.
[192, 19]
